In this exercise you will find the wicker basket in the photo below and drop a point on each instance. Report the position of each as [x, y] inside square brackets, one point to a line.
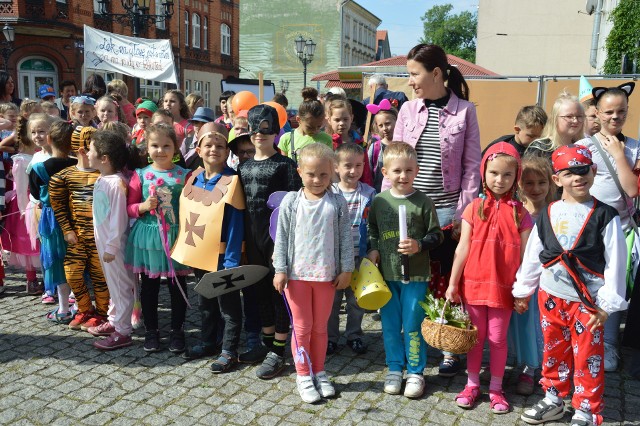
[448, 338]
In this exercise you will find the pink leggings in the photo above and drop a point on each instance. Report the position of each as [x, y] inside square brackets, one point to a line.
[311, 304]
[493, 324]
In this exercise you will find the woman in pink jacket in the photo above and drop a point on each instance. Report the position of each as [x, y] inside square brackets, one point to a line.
[442, 125]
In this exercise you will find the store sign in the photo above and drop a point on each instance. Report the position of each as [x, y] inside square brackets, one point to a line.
[137, 57]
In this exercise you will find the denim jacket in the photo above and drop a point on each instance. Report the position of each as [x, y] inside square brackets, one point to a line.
[285, 236]
[459, 144]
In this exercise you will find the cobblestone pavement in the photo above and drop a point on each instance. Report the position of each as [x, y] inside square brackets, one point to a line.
[52, 375]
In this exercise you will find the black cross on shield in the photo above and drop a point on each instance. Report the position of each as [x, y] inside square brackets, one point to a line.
[228, 280]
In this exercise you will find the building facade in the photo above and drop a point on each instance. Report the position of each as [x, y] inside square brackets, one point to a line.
[344, 32]
[543, 37]
[48, 46]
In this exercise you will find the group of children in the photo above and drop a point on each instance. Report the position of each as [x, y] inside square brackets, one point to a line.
[89, 181]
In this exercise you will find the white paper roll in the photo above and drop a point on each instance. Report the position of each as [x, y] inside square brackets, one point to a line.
[402, 221]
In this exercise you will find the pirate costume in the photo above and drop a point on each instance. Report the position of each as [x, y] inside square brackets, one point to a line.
[576, 254]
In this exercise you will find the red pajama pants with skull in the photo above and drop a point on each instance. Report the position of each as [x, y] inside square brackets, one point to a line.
[570, 346]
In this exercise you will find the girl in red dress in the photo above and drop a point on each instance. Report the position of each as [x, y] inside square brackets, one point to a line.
[494, 232]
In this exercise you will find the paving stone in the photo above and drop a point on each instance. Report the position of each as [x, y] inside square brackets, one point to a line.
[50, 375]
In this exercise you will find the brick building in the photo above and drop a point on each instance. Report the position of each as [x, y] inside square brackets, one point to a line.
[49, 40]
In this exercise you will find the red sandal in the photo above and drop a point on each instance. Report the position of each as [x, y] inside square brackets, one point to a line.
[499, 403]
[468, 397]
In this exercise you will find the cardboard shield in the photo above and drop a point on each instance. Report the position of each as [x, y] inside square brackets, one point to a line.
[217, 283]
[201, 213]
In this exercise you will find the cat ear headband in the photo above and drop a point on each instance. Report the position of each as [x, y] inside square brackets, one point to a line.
[384, 105]
[627, 88]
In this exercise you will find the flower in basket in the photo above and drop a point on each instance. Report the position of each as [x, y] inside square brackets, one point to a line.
[454, 315]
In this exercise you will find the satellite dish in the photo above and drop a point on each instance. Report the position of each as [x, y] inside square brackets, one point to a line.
[591, 6]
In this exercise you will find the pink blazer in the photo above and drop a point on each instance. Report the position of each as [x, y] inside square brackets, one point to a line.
[459, 144]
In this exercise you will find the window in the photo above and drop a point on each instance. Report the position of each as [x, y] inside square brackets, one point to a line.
[187, 87]
[186, 28]
[197, 87]
[195, 24]
[150, 89]
[355, 30]
[225, 39]
[205, 94]
[348, 28]
[161, 23]
[96, 6]
[205, 34]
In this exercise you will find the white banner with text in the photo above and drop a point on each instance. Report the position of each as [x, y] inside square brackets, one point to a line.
[138, 57]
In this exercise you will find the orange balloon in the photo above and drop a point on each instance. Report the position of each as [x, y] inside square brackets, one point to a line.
[244, 100]
[282, 113]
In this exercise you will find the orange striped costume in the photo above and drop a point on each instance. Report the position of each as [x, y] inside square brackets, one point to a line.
[71, 195]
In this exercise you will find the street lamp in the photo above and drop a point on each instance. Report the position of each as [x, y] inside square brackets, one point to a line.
[284, 86]
[305, 49]
[7, 45]
[137, 13]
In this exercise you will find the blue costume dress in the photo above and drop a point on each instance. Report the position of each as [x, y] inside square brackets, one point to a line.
[144, 252]
[53, 247]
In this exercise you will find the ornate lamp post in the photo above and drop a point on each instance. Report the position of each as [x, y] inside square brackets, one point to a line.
[7, 45]
[137, 13]
[284, 86]
[305, 49]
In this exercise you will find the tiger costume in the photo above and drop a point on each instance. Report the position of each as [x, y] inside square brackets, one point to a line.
[71, 196]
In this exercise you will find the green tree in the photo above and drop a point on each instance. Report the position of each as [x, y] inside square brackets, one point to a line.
[455, 33]
[624, 35]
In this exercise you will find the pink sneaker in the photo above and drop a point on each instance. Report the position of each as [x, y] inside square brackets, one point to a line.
[103, 329]
[114, 341]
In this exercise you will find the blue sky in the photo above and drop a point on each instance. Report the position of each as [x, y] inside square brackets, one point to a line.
[402, 18]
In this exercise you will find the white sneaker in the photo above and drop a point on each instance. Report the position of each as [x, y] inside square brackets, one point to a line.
[610, 357]
[324, 386]
[393, 382]
[415, 386]
[307, 390]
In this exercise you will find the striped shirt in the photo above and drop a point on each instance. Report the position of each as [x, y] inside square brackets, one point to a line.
[429, 179]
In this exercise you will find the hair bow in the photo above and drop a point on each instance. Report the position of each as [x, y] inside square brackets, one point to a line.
[384, 105]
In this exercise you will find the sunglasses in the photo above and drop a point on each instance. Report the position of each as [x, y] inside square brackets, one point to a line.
[85, 100]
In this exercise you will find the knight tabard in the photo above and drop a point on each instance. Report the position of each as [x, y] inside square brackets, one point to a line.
[201, 213]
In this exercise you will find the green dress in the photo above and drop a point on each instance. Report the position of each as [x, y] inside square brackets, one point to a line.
[144, 252]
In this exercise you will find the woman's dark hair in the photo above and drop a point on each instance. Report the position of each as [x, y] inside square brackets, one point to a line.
[111, 144]
[4, 77]
[432, 56]
[94, 86]
[60, 133]
[310, 104]
[226, 94]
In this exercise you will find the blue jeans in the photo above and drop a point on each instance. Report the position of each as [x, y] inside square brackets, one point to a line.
[403, 314]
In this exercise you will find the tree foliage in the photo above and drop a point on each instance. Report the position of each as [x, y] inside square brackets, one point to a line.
[455, 33]
[624, 35]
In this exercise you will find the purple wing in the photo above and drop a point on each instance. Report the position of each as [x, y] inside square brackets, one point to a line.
[273, 223]
[275, 199]
[274, 203]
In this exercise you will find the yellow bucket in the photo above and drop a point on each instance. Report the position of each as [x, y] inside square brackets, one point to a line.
[369, 287]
